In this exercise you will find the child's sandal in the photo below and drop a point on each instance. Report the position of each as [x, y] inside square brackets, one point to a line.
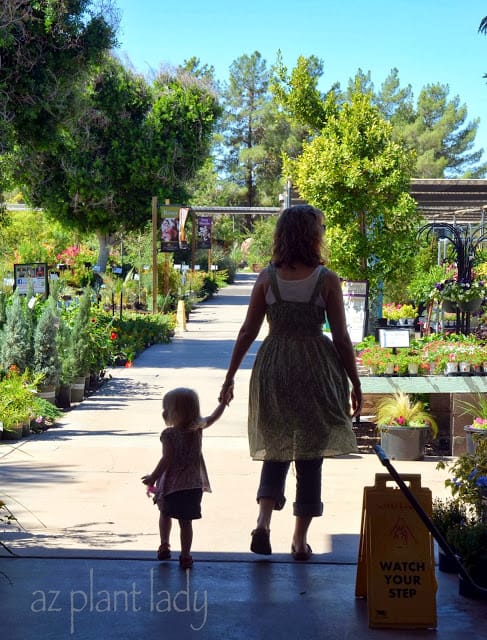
[186, 562]
[164, 552]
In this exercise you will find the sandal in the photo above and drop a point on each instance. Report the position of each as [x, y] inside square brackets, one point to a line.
[186, 562]
[164, 551]
[261, 542]
[301, 556]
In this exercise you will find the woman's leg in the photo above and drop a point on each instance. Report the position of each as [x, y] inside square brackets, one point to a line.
[308, 500]
[270, 494]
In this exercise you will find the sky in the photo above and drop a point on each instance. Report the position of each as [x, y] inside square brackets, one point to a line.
[428, 41]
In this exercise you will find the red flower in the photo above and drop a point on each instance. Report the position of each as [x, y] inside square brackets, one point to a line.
[128, 364]
[113, 335]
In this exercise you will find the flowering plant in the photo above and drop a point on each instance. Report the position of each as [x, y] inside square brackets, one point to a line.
[400, 410]
[377, 357]
[468, 481]
[460, 290]
[393, 311]
[477, 409]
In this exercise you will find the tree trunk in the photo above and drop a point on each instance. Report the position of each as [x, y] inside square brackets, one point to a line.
[105, 241]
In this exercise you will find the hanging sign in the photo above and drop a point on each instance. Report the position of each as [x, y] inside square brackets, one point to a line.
[169, 228]
[204, 232]
[34, 274]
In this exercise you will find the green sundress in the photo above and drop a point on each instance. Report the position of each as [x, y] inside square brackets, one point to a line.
[299, 399]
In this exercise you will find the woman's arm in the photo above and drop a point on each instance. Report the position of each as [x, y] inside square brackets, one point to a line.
[247, 334]
[335, 312]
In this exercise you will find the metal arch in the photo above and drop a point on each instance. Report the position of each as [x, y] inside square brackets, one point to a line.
[464, 240]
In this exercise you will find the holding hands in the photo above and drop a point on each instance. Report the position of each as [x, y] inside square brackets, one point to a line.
[226, 393]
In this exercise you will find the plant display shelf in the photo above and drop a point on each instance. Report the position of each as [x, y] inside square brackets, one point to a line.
[424, 384]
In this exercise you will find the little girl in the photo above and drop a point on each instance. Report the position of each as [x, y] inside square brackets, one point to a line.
[180, 476]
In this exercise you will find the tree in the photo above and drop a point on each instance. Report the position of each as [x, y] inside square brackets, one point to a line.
[46, 357]
[16, 341]
[359, 176]
[244, 100]
[441, 136]
[436, 128]
[132, 141]
[46, 48]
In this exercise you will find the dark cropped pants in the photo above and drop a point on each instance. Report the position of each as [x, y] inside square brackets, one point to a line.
[308, 485]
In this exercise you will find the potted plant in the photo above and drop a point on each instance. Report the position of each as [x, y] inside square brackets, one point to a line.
[399, 312]
[476, 409]
[468, 485]
[46, 358]
[16, 400]
[379, 360]
[468, 295]
[470, 542]
[79, 347]
[446, 514]
[404, 425]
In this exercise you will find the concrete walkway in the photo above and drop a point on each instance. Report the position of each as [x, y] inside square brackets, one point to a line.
[84, 564]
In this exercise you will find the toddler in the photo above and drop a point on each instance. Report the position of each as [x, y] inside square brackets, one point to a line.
[180, 477]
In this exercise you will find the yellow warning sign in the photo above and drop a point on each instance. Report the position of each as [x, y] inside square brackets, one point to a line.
[396, 571]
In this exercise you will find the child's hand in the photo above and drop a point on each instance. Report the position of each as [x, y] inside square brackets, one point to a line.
[147, 479]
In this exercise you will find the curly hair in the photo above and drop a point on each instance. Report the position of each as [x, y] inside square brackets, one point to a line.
[298, 237]
[183, 407]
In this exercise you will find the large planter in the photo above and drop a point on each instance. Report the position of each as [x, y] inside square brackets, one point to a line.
[48, 392]
[470, 431]
[63, 396]
[14, 432]
[403, 443]
[471, 306]
[78, 389]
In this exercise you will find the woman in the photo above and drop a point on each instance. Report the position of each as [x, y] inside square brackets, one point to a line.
[299, 400]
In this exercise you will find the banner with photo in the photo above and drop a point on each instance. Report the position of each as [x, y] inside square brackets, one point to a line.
[204, 232]
[169, 229]
[34, 274]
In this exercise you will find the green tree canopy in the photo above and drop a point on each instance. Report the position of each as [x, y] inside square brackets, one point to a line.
[359, 176]
[132, 141]
[436, 127]
[46, 46]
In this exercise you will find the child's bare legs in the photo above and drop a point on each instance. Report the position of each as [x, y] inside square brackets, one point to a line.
[186, 533]
[165, 524]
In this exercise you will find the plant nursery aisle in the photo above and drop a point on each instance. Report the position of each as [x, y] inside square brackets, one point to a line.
[77, 486]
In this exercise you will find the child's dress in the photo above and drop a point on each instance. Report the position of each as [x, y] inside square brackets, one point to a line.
[187, 469]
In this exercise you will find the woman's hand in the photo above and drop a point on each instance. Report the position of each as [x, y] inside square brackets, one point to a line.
[226, 392]
[356, 401]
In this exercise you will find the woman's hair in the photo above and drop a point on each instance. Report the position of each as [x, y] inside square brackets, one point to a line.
[183, 408]
[298, 237]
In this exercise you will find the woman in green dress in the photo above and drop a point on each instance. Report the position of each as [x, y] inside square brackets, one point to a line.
[300, 404]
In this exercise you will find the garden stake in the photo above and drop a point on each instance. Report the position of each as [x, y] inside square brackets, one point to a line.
[438, 536]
